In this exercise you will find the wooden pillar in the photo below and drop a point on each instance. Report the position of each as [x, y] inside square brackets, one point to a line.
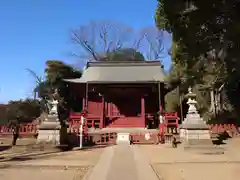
[103, 113]
[83, 103]
[143, 110]
[159, 95]
[86, 97]
[109, 112]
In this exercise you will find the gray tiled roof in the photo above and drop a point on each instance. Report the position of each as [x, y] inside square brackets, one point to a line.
[121, 72]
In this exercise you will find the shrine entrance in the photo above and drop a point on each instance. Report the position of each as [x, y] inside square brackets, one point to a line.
[123, 108]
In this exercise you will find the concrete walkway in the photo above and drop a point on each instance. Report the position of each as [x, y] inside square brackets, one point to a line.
[122, 162]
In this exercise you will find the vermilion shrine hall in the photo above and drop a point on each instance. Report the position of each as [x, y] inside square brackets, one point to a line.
[126, 94]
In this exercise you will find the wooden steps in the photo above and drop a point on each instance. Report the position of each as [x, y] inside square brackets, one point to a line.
[125, 122]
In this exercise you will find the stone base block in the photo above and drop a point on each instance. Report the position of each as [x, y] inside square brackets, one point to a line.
[199, 141]
[196, 134]
[123, 138]
[48, 135]
[182, 134]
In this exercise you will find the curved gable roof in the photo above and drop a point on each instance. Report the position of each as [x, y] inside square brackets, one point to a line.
[122, 72]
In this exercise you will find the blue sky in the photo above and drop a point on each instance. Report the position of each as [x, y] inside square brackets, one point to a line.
[32, 32]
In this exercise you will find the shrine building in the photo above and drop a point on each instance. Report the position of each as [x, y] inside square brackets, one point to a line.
[126, 94]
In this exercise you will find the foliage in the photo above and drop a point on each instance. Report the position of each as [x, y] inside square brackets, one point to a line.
[3, 114]
[55, 72]
[206, 35]
[125, 54]
[172, 101]
[16, 112]
[24, 110]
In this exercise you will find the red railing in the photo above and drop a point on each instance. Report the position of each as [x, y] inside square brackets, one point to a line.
[91, 121]
[220, 128]
[74, 126]
[149, 138]
[101, 138]
[171, 119]
[26, 129]
[30, 129]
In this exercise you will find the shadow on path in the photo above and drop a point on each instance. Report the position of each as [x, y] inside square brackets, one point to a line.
[5, 147]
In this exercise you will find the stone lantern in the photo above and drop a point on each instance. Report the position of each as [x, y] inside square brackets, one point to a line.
[194, 132]
[49, 130]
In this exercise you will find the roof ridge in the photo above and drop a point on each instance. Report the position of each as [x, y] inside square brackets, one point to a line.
[123, 63]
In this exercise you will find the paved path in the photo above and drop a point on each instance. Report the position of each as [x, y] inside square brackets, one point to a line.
[122, 162]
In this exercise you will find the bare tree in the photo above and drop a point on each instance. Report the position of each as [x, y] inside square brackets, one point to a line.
[38, 81]
[96, 39]
[152, 43]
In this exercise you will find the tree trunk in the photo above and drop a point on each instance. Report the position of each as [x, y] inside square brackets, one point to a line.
[212, 106]
[15, 136]
[63, 135]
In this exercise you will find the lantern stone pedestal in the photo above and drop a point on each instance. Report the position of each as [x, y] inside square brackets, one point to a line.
[49, 130]
[194, 132]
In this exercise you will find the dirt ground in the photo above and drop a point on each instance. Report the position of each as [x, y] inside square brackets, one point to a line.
[20, 141]
[169, 163]
[176, 164]
[69, 165]
[41, 174]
